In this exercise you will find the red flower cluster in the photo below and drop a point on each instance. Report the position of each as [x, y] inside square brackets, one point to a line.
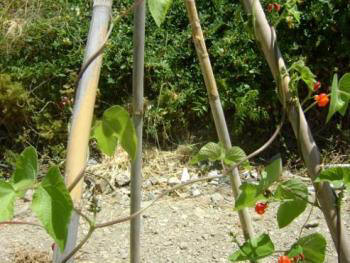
[260, 208]
[322, 100]
[273, 6]
[317, 85]
[284, 259]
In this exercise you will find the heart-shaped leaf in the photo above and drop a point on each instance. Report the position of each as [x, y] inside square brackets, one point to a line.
[53, 206]
[254, 249]
[7, 200]
[26, 170]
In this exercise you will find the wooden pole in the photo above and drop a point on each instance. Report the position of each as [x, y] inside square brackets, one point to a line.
[267, 40]
[77, 152]
[136, 167]
[216, 107]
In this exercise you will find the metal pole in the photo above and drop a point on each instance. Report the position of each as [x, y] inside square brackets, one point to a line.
[136, 167]
[79, 135]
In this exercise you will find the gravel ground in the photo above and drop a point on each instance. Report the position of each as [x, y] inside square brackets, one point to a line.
[191, 225]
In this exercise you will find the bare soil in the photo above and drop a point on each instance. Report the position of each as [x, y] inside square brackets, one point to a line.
[192, 225]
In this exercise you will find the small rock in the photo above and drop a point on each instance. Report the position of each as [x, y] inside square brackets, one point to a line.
[183, 246]
[214, 182]
[185, 176]
[213, 173]
[195, 192]
[154, 180]
[216, 198]
[92, 161]
[121, 179]
[173, 181]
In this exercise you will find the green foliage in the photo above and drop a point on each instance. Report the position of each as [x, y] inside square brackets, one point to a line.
[340, 95]
[53, 206]
[216, 152]
[7, 201]
[16, 104]
[159, 9]
[294, 196]
[115, 125]
[51, 202]
[338, 176]
[26, 170]
[42, 46]
[251, 193]
[313, 247]
[254, 249]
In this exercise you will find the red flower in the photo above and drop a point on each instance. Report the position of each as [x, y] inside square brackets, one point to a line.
[277, 7]
[260, 208]
[322, 100]
[317, 85]
[270, 7]
[284, 259]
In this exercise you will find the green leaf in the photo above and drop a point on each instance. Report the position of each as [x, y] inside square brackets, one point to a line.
[294, 193]
[26, 170]
[211, 151]
[159, 9]
[235, 155]
[288, 211]
[273, 172]
[295, 251]
[7, 200]
[305, 73]
[335, 175]
[344, 88]
[116, 126]
[254, 249]
[248, 197]
[53, 206]
[293, 189]
[337, 104]
[314, 248]
[105, 137]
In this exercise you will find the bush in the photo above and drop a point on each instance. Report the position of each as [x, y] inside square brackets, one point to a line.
[43, 49]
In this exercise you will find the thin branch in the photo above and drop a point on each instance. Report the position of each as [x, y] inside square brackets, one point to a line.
[80, 245]
[19, 223]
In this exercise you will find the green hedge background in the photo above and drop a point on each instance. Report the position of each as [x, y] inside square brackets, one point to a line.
[42, 45]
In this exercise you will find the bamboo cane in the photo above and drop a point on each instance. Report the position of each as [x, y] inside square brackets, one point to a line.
[79, 135]
[136, 167]
[216, 107]
[267, 40]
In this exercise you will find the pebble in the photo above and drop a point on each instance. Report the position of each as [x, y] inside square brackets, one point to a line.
[183, 246]
[173, 181]
[121, 179]
[216, 198]
[195, 192]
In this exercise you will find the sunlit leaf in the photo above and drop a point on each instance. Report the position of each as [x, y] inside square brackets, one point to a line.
[159, 9]
[314, 248]
[53, 206]
[26, 170]
[254, 249]
[235, 155]
[248, 197]
[273, 172]
[7, 200]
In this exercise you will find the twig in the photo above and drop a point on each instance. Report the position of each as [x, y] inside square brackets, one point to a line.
[19, 223]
